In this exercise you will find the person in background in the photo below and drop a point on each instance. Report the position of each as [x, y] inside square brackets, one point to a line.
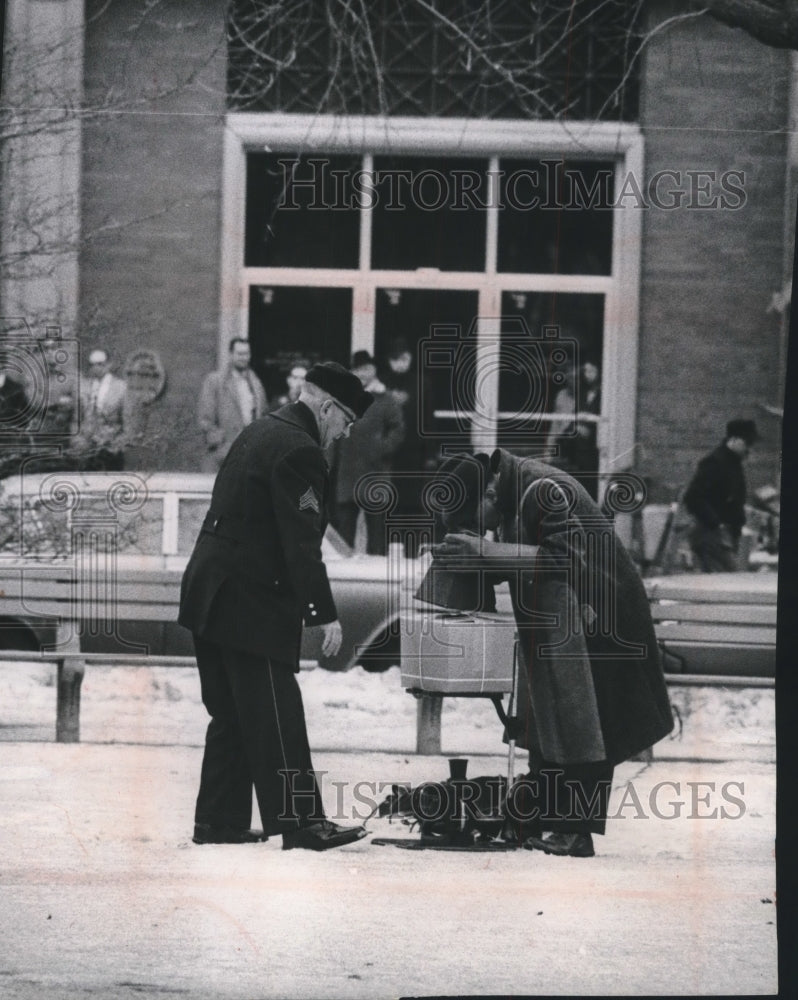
[369, 448]
[294, 381]
[591, 689]
[416, 457]
[715, 498]
[255, 575]
[573, 443]
[100, 437]
[229, 401]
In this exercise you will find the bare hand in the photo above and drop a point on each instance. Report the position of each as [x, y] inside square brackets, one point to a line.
[459, 544]
[333, 636]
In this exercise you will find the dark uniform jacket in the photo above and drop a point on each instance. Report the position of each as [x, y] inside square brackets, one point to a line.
[716, 494]
[596, 687]
[256, 571]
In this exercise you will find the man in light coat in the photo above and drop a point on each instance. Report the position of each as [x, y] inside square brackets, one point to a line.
[229, 401]
[100, 438]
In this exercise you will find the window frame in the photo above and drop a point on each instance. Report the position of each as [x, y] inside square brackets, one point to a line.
[367, 136]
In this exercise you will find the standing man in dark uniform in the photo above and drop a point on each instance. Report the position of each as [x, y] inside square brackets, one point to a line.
[716, 500]
[255, 575]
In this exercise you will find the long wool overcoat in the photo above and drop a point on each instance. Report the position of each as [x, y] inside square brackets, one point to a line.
[588, 652]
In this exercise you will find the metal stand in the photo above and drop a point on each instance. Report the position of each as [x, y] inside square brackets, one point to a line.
[512, 709]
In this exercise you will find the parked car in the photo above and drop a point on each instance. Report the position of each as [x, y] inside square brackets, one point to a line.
[97, 541]
[112, 533]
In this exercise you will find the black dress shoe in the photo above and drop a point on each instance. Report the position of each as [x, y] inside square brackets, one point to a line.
[204, 833]
[574, 845]
[322, 836]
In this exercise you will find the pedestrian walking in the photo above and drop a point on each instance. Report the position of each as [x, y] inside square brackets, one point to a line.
[716, 497]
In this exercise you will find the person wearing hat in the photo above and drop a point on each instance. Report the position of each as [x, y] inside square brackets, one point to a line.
[100, 437]
[368, 449]
[255, 576]
[716, 500]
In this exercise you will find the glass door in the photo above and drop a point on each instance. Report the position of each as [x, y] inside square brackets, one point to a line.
[436, 328]
[550, 379]
[292, 323]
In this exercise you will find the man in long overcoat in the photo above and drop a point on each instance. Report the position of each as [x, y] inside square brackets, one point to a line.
[256, 574]
[591, 680]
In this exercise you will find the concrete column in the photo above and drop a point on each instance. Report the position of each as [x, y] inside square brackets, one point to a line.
[41, 163]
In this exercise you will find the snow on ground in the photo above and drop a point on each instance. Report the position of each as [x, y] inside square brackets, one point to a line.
[347, 711]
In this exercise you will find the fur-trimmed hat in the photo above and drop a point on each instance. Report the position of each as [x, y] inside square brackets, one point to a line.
[342, 385]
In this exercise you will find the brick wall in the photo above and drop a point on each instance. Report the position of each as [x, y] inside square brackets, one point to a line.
[712, 98]
[151, 202]
[715, 99]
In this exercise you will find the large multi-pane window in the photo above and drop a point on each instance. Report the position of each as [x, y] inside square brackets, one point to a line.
[445, 174]
[502, 256]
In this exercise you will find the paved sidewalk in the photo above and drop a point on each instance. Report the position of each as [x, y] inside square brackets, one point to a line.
[104, 894]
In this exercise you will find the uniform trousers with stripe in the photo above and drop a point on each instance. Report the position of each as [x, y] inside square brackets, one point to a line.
[256, 737]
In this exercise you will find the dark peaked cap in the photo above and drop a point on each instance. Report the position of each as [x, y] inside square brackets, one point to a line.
[342, 385]
[361, 358]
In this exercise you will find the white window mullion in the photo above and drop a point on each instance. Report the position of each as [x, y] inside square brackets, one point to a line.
[363, 294]
[493, 140]
[234, 290]
[483, 428]
[363, 307]
[492, 220]
[366, 216]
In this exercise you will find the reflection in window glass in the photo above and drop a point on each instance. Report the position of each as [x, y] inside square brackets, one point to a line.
[302, 211]
[555, 217]
[429, 213]
[562, 332]
[434, 327]
[287, 323]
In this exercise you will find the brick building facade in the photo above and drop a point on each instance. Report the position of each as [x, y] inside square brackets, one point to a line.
[685, 329]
